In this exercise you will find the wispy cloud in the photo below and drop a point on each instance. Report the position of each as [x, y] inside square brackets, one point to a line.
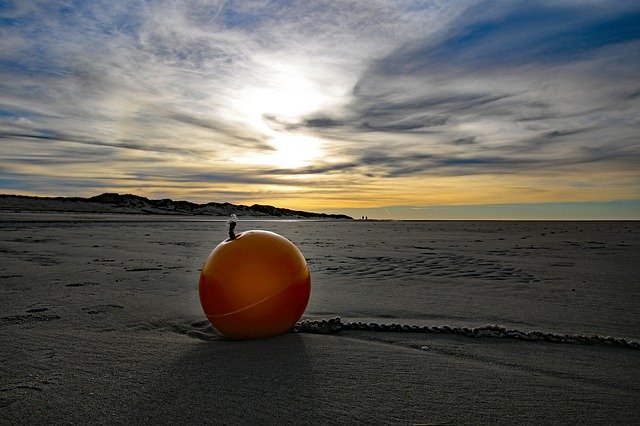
[314, 103]
[521, 86]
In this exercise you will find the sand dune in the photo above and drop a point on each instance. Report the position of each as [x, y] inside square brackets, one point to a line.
[121, 204]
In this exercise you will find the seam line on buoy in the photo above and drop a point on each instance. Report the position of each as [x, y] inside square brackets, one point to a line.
[253, 304]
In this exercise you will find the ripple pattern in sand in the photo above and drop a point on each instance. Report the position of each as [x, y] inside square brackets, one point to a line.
[446, 265]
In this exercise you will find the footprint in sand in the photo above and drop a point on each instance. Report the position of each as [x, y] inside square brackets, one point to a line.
[201, 330]
[27, 319]
[81, 284]
[102, 309]
[32, 310]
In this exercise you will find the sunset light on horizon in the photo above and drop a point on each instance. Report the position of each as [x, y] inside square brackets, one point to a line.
[386, 109]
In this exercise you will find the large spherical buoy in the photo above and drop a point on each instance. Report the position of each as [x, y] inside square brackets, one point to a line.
[254, 285]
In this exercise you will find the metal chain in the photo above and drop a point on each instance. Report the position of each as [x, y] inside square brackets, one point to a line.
[335, 325]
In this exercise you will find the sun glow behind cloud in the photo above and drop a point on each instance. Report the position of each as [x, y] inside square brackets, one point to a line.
[322, 105]
[289, 151]
[286, 95]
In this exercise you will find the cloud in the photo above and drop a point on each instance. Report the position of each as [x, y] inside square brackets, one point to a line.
[545, 78]
[236, 133]
[469, 140]
[198, 90]
[494, 36]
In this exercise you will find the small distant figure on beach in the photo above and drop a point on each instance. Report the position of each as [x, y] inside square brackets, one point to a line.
[232, 222]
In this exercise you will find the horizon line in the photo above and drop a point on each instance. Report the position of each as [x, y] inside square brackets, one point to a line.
[598, 210]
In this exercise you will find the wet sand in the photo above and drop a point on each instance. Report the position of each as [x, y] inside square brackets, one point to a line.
[100, 322]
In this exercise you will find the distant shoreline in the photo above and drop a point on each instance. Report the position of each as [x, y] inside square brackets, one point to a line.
[84, 216]
[106, 217]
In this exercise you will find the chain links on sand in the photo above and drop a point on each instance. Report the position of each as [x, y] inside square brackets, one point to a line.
[335, 325]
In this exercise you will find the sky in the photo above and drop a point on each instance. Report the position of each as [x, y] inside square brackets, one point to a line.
[389, 109]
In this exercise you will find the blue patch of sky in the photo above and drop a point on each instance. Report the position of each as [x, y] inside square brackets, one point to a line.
[235, 19]
[12, 113]
[10, 183]
[57, 186]
[25, 21]
[99, 17]
[4, 113]
[592, 36]
[536, 34]
[7, 5]
[35, 64]
[7, 8]
[238, 18]
[73, 22]
[9, 22]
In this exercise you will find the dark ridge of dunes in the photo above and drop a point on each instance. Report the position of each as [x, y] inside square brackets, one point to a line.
[135, 204]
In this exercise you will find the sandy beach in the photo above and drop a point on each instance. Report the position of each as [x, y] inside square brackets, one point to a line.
[101, 323]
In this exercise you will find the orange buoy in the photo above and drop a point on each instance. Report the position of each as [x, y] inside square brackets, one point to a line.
[255, 284]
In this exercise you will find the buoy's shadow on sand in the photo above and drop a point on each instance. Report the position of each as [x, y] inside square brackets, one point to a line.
[226, 381]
